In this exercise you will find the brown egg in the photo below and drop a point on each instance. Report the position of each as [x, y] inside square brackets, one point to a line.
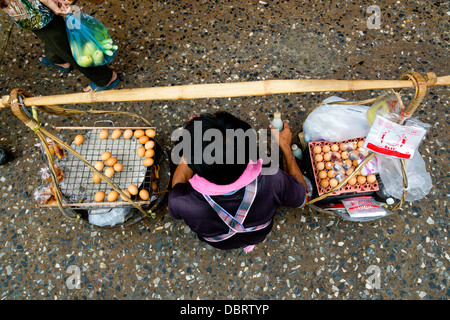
[344, 155]
[318, 157]
[148, 162]
[361, 179]
[355, 163]
[150, 144]
[320, 166]
[352, 181]
[118, 167]
[103, 134]
[79, 139]
[140, 152]
[327, 156]
[127, 134]
[339, 177]
[324, 183]
[326, 148]
[127, 193]
[139, 133]
[333, 182]
[109, 172]
[317, 149]
[331, 174]
[154, 186]
[133, 189]
[99, 196]
[150, 133]
[322, 174]
[335, 156]
[334, 147]
[353, 155]
[144, 194]
[347, 163]
[112, 195]
[329, 165]
[116, 134]
[360, 143]
[111, 161]
[371, 178]
[99, 165]
[149, 153]
[105, 155]
[143, 139]
[343, 146]
[337, 166]
[363, 152]
[96, 178]
[349, 171]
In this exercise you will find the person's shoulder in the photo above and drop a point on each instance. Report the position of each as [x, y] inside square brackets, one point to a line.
[279, 179]
[284, 187]
[271, 175]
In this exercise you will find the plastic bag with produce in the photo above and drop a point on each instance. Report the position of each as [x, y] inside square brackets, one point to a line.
[89, 39]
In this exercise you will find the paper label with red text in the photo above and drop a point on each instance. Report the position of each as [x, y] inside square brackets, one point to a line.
[392, 139]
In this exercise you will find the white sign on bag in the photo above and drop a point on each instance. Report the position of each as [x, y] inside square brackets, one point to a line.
[393, 139]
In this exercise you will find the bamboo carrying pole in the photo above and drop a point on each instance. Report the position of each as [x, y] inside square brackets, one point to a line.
[225, 90]
[237, 89]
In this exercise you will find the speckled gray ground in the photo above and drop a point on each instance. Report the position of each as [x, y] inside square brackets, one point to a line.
[307, 255]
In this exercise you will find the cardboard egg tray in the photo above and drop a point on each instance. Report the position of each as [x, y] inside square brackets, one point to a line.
[349, 189]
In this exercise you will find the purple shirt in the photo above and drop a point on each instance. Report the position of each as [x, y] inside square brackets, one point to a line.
[280, 189]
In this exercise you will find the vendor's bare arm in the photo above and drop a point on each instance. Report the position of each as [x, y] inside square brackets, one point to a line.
[292, 167]
[284, 139]
[182, 173]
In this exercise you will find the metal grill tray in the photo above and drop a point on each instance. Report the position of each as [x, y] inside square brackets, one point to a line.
[78, 185]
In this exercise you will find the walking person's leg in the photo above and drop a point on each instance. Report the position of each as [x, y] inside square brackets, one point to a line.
[58, 52]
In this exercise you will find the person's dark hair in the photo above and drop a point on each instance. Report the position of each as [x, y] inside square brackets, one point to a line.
[3, 4]
[227, 171]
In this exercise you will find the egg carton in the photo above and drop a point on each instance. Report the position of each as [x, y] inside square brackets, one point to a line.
[335, 156]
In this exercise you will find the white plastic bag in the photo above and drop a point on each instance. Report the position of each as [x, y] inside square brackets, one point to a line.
[335, 122]
[419, 180]
[364, 207]
[309, 187]
[108, 217]
[388, 106]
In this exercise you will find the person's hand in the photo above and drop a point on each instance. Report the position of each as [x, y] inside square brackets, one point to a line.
[284, 137]
[182, 173]
[59, 7]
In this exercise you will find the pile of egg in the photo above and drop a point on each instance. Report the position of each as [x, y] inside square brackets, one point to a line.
[146, 151]
[334, 162]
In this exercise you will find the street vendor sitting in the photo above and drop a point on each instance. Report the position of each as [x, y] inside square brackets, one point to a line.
[227, 202]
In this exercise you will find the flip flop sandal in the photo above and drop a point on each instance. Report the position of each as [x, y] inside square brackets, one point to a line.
[47, 63]
[94, 87]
